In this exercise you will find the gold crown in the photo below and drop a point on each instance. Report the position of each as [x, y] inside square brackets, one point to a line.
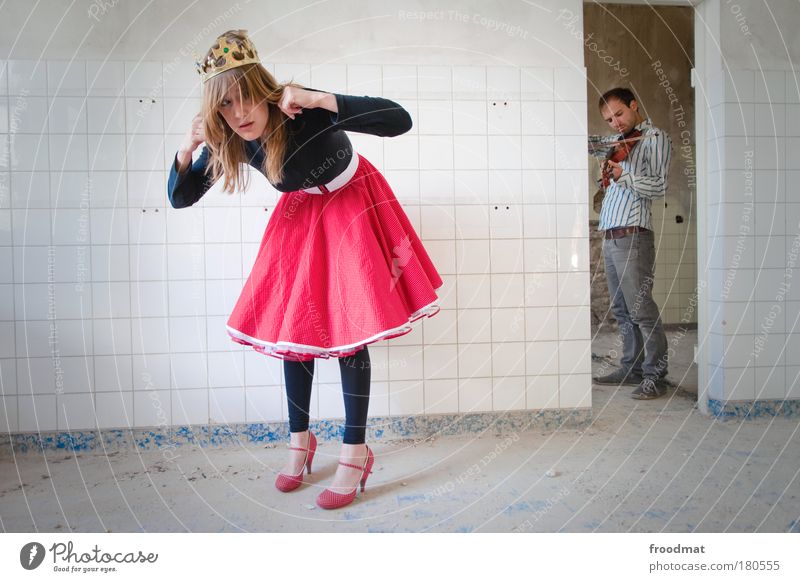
[225, 56]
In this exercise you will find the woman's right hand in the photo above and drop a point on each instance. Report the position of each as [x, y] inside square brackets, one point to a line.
[193, 138]
[195, 135]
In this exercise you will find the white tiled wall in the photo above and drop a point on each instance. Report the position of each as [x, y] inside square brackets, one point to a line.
[114, 304]
[754, 235]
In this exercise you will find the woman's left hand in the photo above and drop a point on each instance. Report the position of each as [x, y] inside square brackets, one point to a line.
[294, 100]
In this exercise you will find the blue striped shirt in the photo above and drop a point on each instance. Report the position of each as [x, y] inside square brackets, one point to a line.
[628, 201]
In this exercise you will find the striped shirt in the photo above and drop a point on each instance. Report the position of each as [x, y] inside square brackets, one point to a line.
[628, 200]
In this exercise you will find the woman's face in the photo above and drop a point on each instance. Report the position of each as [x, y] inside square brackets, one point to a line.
[245, 118]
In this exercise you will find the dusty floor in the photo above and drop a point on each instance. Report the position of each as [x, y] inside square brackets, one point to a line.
[639, 466]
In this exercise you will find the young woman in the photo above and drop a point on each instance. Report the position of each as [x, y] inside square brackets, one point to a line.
[340, 265]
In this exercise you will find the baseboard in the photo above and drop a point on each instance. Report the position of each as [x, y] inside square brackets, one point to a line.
[168, 439]
[753, 408]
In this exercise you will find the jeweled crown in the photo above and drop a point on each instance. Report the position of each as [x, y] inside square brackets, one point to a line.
[225, 56]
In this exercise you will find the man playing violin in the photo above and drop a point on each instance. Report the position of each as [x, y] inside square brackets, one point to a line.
[628, 246]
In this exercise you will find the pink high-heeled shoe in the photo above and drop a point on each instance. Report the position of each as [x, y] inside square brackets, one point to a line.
[331, 500]
[286, 482]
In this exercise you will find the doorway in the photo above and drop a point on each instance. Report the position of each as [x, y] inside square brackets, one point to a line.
[650, 50]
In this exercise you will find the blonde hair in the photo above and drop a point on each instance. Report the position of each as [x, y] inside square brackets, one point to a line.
[257, 85]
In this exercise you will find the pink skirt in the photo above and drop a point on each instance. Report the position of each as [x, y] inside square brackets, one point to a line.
[335, 272]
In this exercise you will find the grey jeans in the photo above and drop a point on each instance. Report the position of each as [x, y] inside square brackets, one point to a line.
[630, 267]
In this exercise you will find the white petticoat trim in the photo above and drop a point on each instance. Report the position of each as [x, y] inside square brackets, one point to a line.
[286, 350]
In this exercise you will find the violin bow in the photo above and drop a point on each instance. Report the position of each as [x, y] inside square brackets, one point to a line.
[601, 145]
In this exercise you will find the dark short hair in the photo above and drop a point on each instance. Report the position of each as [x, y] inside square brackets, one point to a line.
[623, 94]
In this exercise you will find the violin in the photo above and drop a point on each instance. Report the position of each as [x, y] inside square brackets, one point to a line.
[621, 150]
[609, 149]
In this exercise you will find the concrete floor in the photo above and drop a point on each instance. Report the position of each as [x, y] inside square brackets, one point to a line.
[640, 466]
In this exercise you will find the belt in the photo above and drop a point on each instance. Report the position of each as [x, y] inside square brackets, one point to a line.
[622, 231]
[339, 181]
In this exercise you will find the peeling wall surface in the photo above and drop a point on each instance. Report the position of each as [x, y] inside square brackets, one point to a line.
[650, 49]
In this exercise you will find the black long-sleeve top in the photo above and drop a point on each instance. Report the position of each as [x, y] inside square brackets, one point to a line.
[317, 151]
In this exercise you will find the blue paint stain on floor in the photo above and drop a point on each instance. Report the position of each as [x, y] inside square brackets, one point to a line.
[422, 514]
[518, 507]
[414, 498]
[794, 526]
[463, 529]
[658, 514]
[540, 504]
[350, 516]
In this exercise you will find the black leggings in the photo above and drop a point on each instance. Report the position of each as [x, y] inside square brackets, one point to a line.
[355, 387]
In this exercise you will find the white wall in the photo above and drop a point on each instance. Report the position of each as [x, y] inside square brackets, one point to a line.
[492, 176]
[460, 32]
[760, 35]
[752, 227]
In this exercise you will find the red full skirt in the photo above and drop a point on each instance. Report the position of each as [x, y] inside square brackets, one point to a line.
[335, 272]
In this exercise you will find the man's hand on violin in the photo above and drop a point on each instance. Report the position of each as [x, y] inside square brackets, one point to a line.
[614, 169]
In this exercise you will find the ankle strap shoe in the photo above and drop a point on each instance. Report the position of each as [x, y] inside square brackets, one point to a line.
[331, 500]
[286, 482]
